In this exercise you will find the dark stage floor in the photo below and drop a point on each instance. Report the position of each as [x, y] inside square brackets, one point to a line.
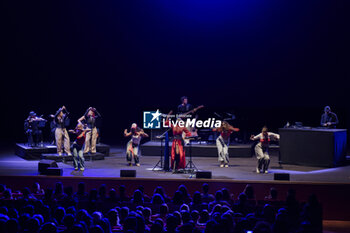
[241, 169]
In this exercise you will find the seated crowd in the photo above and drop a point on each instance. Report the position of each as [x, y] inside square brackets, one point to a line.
[104, 211]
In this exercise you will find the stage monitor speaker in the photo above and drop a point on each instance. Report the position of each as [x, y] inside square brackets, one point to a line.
[281, 176]
[44, 164]
[203, 174]
[53, 171]
[127, 173]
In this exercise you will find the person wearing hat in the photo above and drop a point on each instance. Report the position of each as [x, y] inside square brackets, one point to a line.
[329, 119]
[132, 148]
[90, 119]
[61, 133]
[31, 127]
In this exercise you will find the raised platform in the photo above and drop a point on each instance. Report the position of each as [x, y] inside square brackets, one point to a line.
[36, 153]
[57, 158]
[202, 149]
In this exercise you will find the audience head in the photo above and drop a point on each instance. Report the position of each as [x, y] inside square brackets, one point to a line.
[36, 187]
[197, 198]
[160, 191]
[81, 188]
[102, 191]
[183, 190]
[48, 227]
[249, 191]
[163, 209]
[157, 199]
[273, 193]
[113, 217]
[93, 195]
[203, 216]
[12, 225]
[262, 227]
[205, 188]
[2, 188]
[137, 197]
[68, 221]
[122, 190]
[59, 188]
[218, 195]
[33, 225]
[178, 198]
[59, 214]
[156, 228]
[225, 194]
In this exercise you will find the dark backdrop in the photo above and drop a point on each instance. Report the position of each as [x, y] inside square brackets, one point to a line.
[267, 61]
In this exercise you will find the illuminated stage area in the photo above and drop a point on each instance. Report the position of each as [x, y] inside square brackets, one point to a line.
[305, 180]
[241, 169]
[249, 97]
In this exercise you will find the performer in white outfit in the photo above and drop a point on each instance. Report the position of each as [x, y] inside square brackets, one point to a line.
[90, 120]
[223, 141]
[262, 148]
[61, 133]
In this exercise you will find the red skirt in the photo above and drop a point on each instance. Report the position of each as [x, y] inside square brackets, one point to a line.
[182, 161]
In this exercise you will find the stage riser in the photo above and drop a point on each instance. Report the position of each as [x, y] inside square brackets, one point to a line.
[55, 157]
[207, 151]
[36, 153]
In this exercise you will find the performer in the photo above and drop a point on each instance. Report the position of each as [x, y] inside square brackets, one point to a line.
[32, 129]
[90, 119]
[329, 119]
[184, 106]
[61, 133]
[223, 141]
[132, 148]
[185, 111]
[78, 146]
[178, 159]
[52, 130]
[262, 148]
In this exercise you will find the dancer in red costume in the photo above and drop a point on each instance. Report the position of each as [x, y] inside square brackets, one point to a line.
[178, 159]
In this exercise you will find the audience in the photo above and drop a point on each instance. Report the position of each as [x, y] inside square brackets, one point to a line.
[59, 210]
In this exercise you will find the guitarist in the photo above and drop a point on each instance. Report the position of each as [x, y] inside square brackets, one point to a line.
[185, 111]
[184, 106]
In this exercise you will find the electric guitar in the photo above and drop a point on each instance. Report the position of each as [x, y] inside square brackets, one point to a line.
[193, 130]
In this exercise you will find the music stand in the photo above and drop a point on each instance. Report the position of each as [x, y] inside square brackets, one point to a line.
[160, 163]
[190, 166]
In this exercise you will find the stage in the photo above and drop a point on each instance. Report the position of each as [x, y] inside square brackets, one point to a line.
[332, 185]
[203, 149]
[241, 168]
[49, 151]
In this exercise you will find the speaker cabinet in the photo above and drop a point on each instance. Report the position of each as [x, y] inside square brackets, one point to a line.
[203, 174]
[281, 176]
[54, 171]
[45, 164]
[127, 173]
